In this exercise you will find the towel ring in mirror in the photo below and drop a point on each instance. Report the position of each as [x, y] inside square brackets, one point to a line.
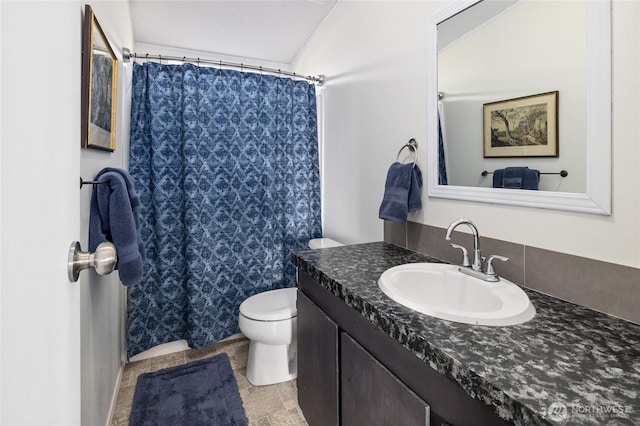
[99, 86]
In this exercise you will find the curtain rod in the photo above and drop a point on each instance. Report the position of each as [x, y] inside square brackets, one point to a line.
[127, 55]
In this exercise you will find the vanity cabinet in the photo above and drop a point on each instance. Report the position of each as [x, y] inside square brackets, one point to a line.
[350, 373]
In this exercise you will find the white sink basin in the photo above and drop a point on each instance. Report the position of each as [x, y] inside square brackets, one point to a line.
[440, 290]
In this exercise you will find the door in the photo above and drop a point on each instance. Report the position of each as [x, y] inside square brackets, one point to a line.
[40, 212]
[372, 395]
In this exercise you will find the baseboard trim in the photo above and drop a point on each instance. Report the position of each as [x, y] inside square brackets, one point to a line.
[114, 397]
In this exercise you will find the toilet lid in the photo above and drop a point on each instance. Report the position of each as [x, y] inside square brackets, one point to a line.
[271, 305]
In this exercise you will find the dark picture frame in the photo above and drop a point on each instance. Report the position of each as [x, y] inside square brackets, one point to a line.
[522, 127]
[99, 87]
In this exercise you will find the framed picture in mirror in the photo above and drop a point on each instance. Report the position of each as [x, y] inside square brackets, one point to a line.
[522, 127]
[99, 87]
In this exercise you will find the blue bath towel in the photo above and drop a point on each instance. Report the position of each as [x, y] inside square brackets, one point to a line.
[114, 217]
[516, 178]
[497, 178]
[401, 192]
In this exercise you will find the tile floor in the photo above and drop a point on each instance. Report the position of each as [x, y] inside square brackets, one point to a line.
[265, 405]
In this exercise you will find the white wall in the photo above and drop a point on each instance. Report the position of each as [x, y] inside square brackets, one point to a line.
[103, 298]
[374, 57]
[371, 107]
[1, 220]
[61, 343]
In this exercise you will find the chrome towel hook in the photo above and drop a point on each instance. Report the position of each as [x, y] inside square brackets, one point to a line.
[90, 182]
[103, 260]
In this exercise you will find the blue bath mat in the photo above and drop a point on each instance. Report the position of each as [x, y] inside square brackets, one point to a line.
[202, 392]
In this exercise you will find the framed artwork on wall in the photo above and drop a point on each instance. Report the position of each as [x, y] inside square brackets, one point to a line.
[99, 87]
[522, 127]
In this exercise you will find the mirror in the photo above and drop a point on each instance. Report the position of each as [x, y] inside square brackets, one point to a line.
[493, 52]
[99, 87]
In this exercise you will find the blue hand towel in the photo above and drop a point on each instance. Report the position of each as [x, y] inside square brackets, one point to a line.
[114, 217]
[516, 178]
[401, 193]
[512, 177]
[415, 195]
[531, 179]
[497, 178]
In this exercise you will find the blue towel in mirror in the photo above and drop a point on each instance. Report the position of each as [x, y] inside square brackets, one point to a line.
[516, 178]
[401, 192]
[114, 217]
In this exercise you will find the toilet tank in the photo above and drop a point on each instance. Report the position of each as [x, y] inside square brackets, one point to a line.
[318, 243]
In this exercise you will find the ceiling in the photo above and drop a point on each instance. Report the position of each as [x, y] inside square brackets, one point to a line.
[265, 30]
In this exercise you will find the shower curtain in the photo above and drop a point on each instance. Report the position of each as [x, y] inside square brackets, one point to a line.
[442, 163]
[226, 166]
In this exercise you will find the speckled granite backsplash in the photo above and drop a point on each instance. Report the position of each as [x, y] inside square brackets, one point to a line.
[569, 365]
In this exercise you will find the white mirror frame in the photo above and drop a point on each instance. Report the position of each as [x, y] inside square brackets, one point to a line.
[597, 199]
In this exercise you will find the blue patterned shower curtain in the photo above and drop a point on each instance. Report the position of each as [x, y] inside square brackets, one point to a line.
[226, 166]
[442, 164]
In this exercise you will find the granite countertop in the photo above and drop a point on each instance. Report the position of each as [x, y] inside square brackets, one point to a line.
[569, 365]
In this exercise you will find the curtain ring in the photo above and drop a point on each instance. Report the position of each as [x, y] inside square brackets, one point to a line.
[160, 58]
[184, 59]
[146, 57]
[241, 67]
[198, 59]
[220, 64]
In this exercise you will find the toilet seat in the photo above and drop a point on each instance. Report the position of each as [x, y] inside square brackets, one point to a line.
[273, 305]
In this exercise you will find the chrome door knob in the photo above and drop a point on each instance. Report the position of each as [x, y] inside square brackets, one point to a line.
[103, 260]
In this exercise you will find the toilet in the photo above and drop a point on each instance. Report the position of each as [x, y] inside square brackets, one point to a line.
[268, 320]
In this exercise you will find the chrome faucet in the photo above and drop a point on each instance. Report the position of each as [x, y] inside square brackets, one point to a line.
[474, 269]
[477, 257]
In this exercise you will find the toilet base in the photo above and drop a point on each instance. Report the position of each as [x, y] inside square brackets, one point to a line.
[270, 364]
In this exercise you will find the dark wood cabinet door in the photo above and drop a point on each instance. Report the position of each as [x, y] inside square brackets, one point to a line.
[372, 395]
[317, 364]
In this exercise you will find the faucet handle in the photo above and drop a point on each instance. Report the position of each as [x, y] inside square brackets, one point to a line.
[465, 255]
[489, 270]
